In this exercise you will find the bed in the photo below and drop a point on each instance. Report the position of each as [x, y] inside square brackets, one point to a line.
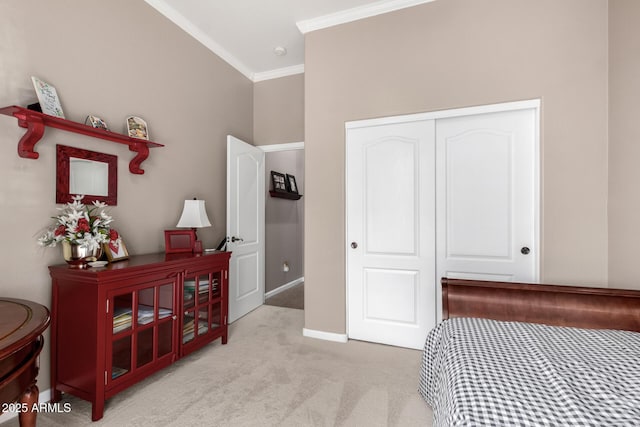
[515, 354]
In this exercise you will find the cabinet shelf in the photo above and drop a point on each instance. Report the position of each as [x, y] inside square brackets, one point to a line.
[36, 122]
[289, 196]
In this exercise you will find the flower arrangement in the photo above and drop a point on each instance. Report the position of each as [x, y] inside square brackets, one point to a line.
[81, 225]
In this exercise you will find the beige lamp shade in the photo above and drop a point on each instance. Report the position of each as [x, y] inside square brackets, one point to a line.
[194, 215]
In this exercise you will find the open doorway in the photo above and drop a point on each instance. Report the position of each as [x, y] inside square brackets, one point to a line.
[284, 229]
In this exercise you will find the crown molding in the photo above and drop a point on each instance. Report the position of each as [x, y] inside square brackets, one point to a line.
[179, 19]
[277, 73]
[355, 14]
[305, 26]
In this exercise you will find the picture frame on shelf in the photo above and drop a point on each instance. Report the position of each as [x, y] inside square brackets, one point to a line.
[115, 251]
[292, 186]
[137, 128]
[96, 122]
[179, 241]
[47, 98]
[279, 182]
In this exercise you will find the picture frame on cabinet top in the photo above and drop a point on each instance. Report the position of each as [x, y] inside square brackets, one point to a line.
[178, 241]
[115, 251]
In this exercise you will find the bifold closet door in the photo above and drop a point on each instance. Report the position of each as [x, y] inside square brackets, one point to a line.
[390, 233]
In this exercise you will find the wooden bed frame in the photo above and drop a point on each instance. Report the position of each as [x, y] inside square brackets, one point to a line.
[592, 308]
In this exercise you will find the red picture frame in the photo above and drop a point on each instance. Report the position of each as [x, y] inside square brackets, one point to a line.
[177, 241]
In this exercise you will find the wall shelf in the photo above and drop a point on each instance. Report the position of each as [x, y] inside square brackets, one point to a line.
[36, 122]
[281, 195]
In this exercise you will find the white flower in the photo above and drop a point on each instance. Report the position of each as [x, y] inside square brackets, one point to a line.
[79, 224]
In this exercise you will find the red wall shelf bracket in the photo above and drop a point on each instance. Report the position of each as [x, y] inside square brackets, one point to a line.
[35, 130]
[142, 153]
[36, 122]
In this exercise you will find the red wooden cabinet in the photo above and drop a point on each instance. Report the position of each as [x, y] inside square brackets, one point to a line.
[113, 326]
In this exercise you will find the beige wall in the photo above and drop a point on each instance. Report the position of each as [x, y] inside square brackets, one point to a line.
[624, 143]
[279, 110]
[112, 59]
[458, 53]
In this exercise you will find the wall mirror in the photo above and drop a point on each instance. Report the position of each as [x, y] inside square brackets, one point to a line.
[95, 175]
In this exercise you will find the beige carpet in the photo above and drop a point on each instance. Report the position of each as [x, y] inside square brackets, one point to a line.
[290, 298]
[269, 375]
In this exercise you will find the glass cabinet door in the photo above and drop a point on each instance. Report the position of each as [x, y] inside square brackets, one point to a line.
[201, 296]
[121, 345]
[143, 327]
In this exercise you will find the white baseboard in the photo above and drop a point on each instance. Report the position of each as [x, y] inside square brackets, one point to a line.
[44, 396]
[327, 336]
[283, 287]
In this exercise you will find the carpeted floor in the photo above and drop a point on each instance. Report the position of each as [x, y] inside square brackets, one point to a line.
[290, 298]
[268, 375]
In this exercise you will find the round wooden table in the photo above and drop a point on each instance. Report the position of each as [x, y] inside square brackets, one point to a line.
[21, 326]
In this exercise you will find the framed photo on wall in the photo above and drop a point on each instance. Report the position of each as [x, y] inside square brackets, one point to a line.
[177, 241]
[279, 182]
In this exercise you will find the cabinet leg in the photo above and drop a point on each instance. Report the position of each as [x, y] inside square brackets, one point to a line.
[97, 410]
[28, 399]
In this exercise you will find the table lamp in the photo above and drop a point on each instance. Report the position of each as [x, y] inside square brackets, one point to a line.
[194, 216]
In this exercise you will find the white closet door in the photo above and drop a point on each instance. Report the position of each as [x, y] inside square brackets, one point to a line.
[450, 193]
[390, 231]
[487, 196]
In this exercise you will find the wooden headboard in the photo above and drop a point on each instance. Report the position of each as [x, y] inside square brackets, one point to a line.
[593, 308]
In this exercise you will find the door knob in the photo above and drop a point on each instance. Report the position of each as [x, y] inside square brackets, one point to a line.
[525, 250]
[237, 239]
[354, 245]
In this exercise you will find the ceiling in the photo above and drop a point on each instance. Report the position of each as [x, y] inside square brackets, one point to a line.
[245, 32]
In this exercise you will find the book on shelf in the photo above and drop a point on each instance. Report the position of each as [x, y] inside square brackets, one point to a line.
[121, 319]
[203, 286]
[145, 313]
[122, 316]
[117, 371]
[188, 330]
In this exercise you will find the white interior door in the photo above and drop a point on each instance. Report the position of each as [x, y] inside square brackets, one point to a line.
[487, 224]
[245, 226]
[390, 233]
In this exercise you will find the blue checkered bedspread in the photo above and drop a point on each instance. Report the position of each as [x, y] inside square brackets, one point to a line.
[480, 372]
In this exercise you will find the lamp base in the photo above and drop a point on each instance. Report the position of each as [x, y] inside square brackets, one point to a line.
[197, 247]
